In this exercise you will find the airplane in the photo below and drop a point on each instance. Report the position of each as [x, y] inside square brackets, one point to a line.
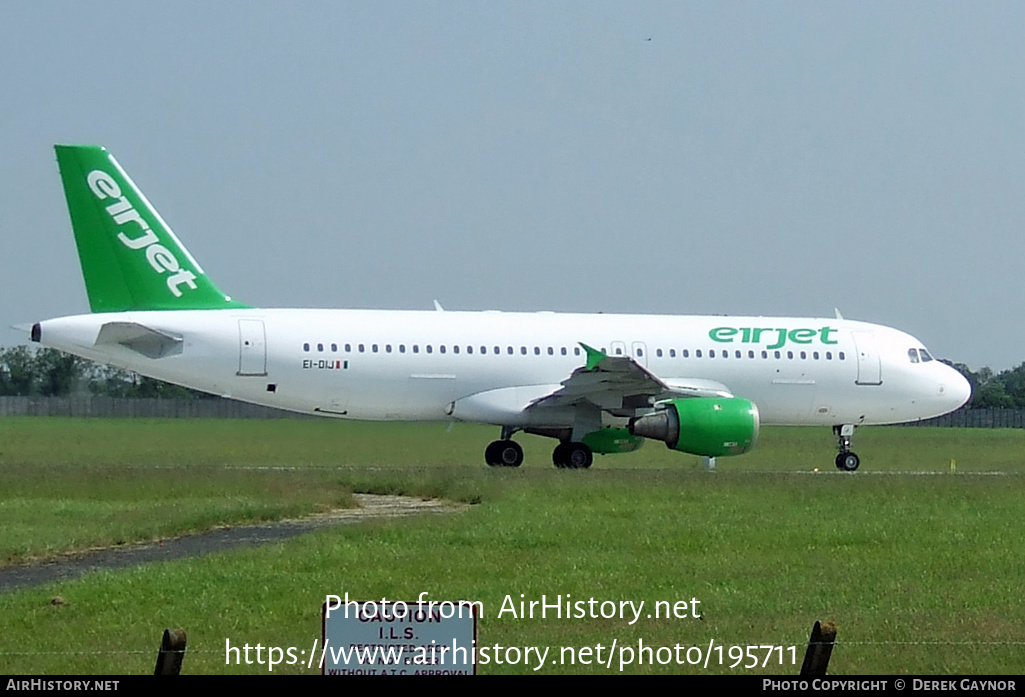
[596, 383]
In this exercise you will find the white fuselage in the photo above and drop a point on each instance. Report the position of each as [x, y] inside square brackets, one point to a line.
[488, 366]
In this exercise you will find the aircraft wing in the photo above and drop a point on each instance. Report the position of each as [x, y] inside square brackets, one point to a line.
[619, 384]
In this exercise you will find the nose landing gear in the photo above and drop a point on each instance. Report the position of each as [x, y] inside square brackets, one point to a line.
[846, 460]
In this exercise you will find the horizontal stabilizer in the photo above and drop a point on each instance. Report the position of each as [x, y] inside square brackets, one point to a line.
[141, 339]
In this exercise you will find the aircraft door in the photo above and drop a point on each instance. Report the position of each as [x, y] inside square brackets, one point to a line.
[869, 366]
[252, 347]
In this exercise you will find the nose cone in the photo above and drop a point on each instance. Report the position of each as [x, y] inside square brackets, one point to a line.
[954, 389]
[957, 389]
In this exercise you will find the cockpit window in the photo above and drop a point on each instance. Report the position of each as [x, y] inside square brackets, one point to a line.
[913, 355]
[925, 355]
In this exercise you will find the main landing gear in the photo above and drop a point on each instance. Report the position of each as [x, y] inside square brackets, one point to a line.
[504, 453]
[508, 453]
[570, 455]
[846, 460]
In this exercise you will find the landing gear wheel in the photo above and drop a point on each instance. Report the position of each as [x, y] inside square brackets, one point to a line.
[574, 455]
[559, 456]
[504, 453]
[578, 456]
[848, 462]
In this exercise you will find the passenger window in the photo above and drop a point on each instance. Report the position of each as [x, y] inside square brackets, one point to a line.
[841, 356]
[320, 347]
[672, 353]
[362, 348]
[348, 348]
[387, 348]
[416, 348]
[697, 353]
[334, 348]
[551, 351]
[441, 349]
[455, 349]
[306, 347]
[430, 349]
[686, 353]
[374, 348]
[402, 348]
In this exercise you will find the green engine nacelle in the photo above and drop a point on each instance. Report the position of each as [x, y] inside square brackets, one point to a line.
[712, 427]
[612, 440]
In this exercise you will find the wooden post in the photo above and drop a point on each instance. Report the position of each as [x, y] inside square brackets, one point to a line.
[172, 651]
[820, 647]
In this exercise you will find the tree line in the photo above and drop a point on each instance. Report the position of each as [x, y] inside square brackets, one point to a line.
[48, 372]
[1003, 390]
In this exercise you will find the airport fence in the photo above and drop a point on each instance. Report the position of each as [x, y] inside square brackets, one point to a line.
[977, 418]
[218, 408]
[144, 408]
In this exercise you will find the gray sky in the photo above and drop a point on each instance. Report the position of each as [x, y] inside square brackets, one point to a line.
[751, 158]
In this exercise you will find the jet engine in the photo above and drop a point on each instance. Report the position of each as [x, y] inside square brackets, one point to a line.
[711, 427]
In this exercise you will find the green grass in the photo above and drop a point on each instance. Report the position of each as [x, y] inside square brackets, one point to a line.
[921, 572]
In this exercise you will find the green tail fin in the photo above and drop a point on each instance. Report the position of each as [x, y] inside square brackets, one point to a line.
[130, 258]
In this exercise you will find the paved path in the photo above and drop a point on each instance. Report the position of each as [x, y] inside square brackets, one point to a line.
[74, 565]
